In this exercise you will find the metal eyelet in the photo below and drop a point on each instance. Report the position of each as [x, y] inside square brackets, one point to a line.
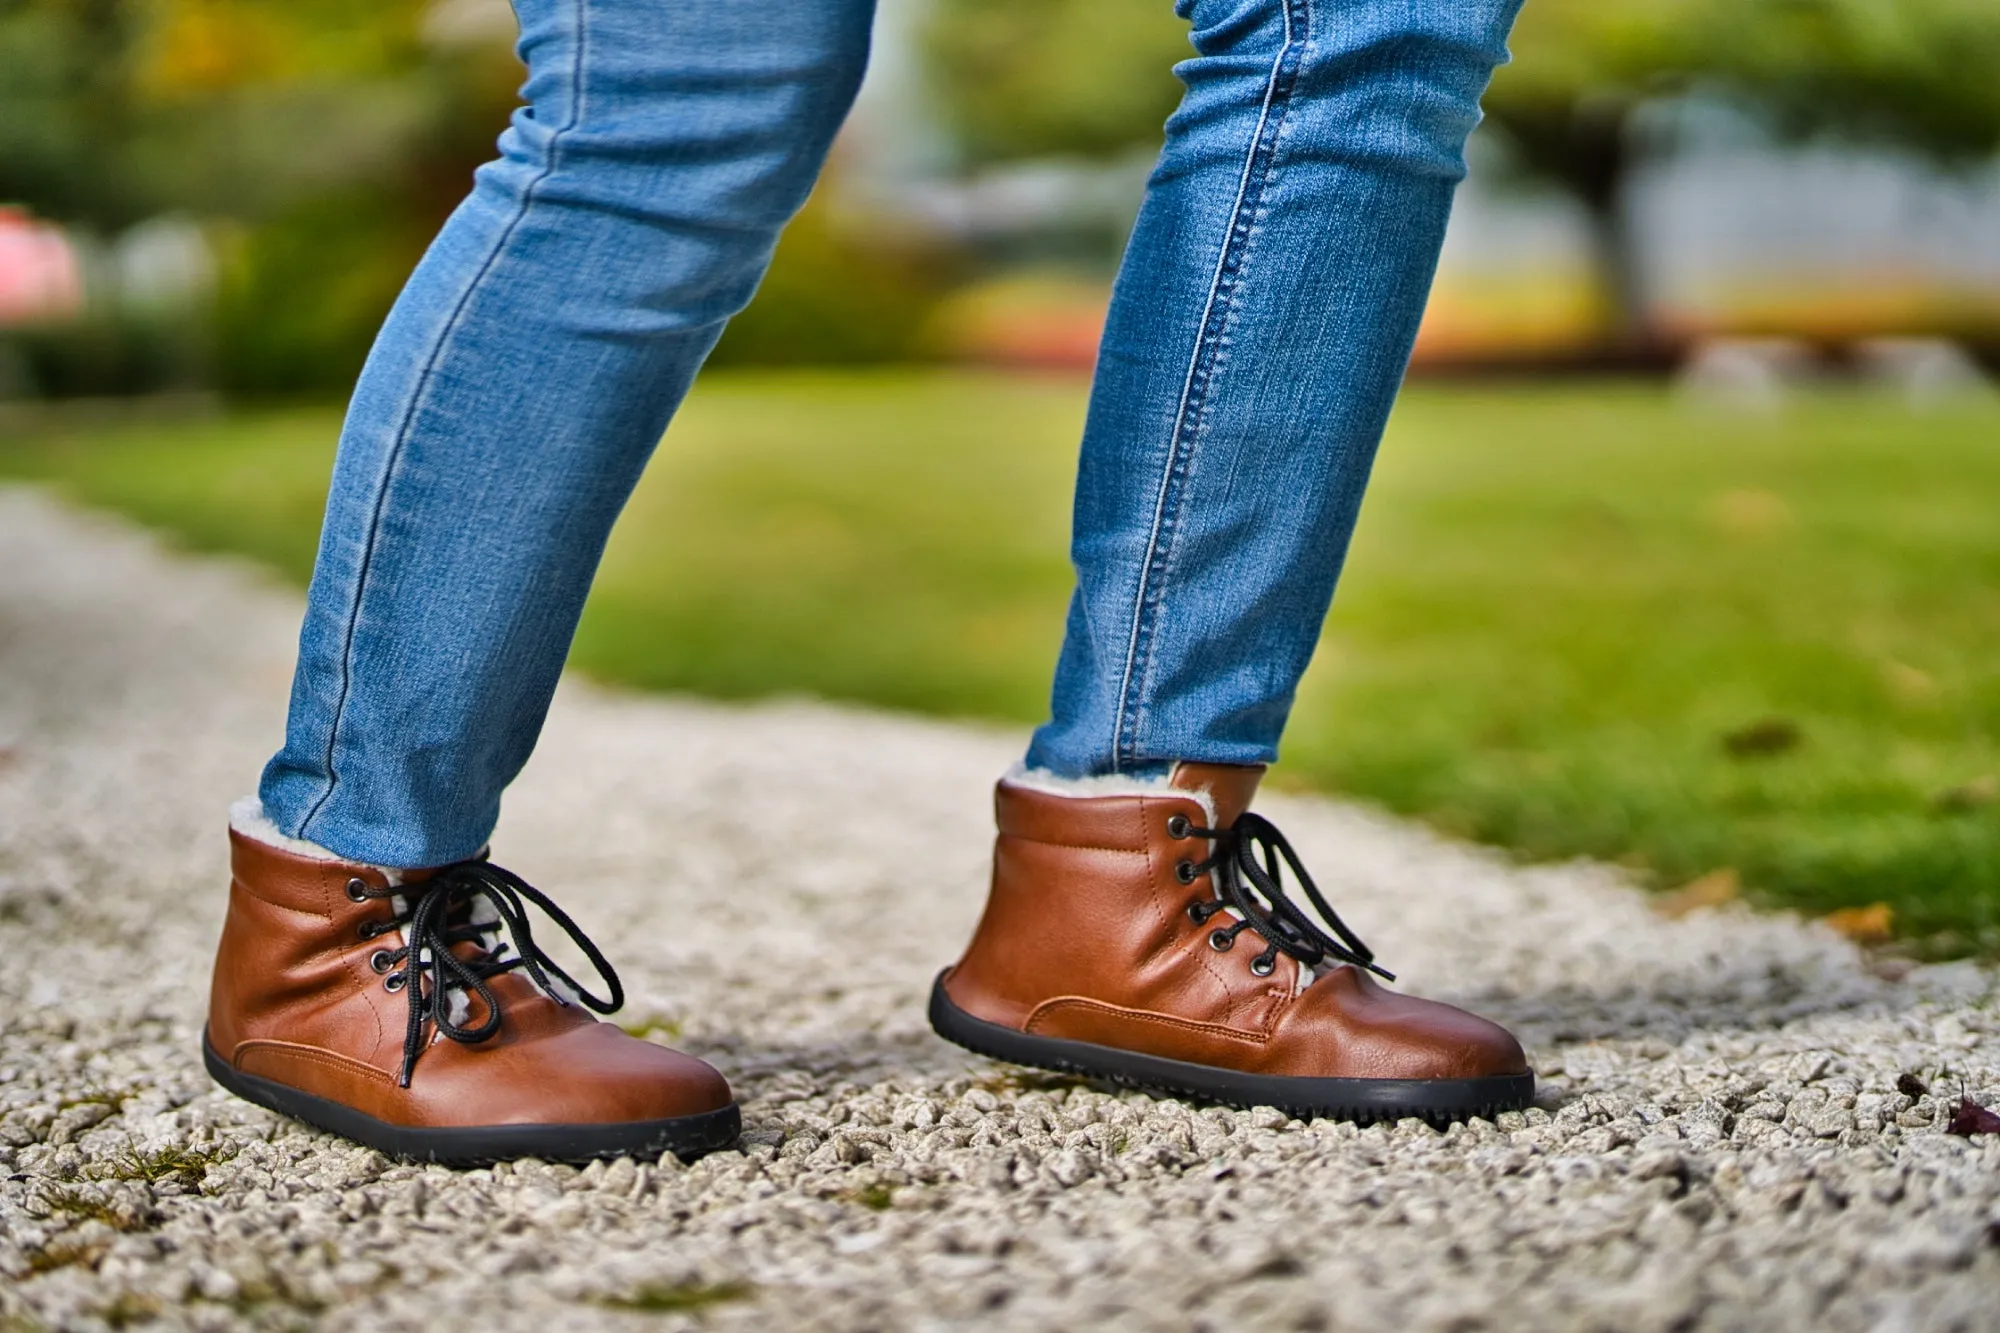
[381, 960]
[1221, 941]
[1263, 965]
[357, 889]
[1178, 826]
[395, 981]
[1185, 872]
[1197, 913]
[368, 930]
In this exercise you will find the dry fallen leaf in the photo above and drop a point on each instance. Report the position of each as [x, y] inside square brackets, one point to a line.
[1864, 925]
[1981, 791]
[1971, 1118]
[1714, 889]
[1763, 738]
[1910, 685]
[1889, 966]
[1750, 512]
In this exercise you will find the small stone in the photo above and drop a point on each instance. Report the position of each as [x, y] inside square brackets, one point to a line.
[618, 1176]
[214, 1284]
[1071, 1166]
[1658, 1162]
[1718, 1143]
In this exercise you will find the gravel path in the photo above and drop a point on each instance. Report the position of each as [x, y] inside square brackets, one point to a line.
[1721, 1142]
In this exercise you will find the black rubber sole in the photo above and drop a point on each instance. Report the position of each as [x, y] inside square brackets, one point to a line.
[1360, 1099]
[685, 1136]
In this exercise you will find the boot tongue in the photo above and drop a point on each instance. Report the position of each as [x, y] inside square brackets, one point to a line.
[1229, 787]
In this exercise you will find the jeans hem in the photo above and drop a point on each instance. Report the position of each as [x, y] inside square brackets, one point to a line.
[416, 403]
[1203, 364]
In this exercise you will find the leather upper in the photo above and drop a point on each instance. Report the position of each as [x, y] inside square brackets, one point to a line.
[1087, 936]
[295, 1000]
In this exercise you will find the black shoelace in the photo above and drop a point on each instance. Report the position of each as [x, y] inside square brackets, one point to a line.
[1254, 887]
[437, 914]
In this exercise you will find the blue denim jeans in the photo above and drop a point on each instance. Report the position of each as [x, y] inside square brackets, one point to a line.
[1258, 332]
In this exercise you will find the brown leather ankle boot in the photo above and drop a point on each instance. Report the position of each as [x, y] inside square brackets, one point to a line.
[325, 1007]
[1146, 938]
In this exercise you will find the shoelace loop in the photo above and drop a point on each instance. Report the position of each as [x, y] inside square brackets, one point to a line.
[1248, 863]
[438, 913]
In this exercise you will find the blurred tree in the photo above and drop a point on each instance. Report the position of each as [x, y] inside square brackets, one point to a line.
[1033, 78]
[1047, 78]
[1919, 74]
[322, 140]
[1565, 105]
[337, 135]
[280, 101]
[322, 143]
[113, 110]
[68, 115]
[1923, 74]
[840, 290]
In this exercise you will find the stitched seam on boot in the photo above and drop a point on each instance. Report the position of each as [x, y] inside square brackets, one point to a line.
[1145, 848]
[1049, 1007]
[316, 914]
[318, 1055]
[1082, 846]
[364, 983]
[1175, 944]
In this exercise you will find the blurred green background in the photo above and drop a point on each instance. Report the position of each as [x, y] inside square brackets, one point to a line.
[1682, 551]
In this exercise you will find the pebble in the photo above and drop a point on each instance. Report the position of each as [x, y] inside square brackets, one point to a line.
[1726, 1135]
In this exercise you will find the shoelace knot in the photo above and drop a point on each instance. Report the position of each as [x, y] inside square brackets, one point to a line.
[438, 914]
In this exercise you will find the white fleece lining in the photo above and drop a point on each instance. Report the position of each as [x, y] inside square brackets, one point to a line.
[1108, 784]
[247, 817]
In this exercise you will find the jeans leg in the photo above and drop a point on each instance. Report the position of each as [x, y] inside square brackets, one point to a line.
[1258, 332]
[518, 388]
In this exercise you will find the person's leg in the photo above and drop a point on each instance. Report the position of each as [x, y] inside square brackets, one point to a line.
[503, 417]
[1261, 324]
[1260, 328]
[520, 386]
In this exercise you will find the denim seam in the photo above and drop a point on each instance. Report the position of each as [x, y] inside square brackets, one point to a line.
[1203, 363]
[417, 399]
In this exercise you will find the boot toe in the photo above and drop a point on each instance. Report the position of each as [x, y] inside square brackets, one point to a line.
[1364, 1030]
[684, 1085]
[611, 1076]
[1455, 1044]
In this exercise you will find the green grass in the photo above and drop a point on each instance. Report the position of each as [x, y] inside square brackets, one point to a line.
[1577, 620]
[876, 1197]
[184, 1164]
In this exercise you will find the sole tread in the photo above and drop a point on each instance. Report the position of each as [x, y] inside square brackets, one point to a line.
[686, 1137]
[1361, 1101]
